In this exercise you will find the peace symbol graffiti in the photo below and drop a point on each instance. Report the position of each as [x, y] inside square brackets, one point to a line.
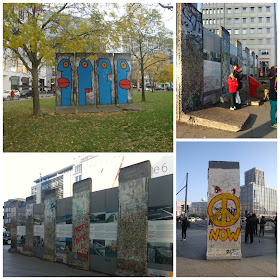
[223, 217]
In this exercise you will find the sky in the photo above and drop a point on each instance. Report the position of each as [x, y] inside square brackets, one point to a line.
[20, 170]
[193, 158]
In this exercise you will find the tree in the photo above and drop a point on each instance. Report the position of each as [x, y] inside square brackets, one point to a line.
[142, 30]
[34, 32]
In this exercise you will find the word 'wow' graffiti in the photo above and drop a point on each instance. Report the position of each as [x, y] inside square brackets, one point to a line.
[95, 80]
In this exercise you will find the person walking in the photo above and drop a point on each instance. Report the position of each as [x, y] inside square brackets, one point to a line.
[238, 74]
[273, 98]
[262, 223]
[185, 223]
[249, 228]
[256, 222]
[232, 85]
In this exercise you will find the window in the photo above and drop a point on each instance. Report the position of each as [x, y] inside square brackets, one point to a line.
[4, 63]
[24, 69]
[259, 30]
[203, 12]
[214, 21]
[229, 21]
[236, 31]
[268, 30]
[222, 21]
[218, 11]
[210, 21]
[236, 20]
[210, 11]
[268, 40]
[244, 31]
[260, 41]
[229, 11]
[260, 9]
[214, 11]
[244, 10]
[268, 9]
[252, 9]
[207, 21]
[252, 19]
[207, 11]
[14, 66]
[222, 10]
[78, 178]
[218, 21]
[218, 31]
[264, 52]
[268, 19]
[203, 21]
[252, 30]
[260, 19]
[78, 168]
[236, 10]
[244, 20]
[229, 31]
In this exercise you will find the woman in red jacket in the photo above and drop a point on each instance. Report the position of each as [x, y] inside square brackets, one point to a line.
[233, 85]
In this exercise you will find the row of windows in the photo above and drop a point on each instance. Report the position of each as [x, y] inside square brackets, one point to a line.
[14, 66]
[247, 31]
[236, 20]
[236, 10]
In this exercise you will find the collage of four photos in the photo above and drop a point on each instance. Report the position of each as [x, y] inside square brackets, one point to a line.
[121, 152]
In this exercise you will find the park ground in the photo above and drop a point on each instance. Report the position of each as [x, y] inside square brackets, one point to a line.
[259, 259]
[150, 130]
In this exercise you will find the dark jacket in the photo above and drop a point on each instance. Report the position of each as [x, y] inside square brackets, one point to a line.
[238, 74]
[273, 88]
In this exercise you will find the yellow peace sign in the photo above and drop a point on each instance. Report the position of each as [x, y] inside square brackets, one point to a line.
[224, 212]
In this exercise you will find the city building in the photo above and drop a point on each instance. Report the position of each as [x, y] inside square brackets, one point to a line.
[253, 24]
[7, 211]
[199, 209]
[62, 180]
[255, 197]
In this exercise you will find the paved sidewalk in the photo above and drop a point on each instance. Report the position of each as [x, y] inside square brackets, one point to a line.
[257, 126]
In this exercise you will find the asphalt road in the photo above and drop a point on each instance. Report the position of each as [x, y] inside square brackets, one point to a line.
[195, 245]
[15, 265]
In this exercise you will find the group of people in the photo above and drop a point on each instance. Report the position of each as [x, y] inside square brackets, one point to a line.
[234, 82]
[251, 228]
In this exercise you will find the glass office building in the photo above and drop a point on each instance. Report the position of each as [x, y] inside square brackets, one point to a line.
[255, 197]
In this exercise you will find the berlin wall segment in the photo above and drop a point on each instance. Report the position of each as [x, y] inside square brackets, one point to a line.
[133, 218]
[104, 80]
[80, 223]
[223, 230]
[29, 226]
[21, 227]
[14, 211]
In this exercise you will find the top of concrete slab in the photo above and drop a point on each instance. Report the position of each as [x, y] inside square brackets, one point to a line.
[223, 164]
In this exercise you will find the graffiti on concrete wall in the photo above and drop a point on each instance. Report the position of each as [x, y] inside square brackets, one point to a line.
[192, 58]
[225, 58]
[95, 79]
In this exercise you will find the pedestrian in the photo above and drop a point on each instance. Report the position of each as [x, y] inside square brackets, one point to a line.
[12, 95]
[233, 85]
[273, 98]
[185, 225]
[238, 74]
[249, 228]
[256, 222]
[275, 226]
[262, 223]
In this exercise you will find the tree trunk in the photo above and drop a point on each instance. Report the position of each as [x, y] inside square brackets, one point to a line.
[36, 103]
[143, 82]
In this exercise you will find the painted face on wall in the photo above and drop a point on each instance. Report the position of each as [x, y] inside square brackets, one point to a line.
[103, 70]
[65, 82]
[123, 84]
[84, 79]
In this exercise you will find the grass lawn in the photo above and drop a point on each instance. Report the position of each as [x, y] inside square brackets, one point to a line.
[147, 131]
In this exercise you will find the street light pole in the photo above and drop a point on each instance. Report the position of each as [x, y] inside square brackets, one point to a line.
[186, 194]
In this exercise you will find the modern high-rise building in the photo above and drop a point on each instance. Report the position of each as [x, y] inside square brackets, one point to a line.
[253, 24]
[255, 197]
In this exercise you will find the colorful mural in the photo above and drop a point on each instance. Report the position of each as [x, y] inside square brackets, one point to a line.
[93, 80]
[84, 80]
[105, 86]
[123, 84]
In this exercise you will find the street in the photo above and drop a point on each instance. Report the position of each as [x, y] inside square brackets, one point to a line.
[258, 258]
[15, 265]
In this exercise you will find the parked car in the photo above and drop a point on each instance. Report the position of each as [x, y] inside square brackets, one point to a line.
[6, 237]
[26, 93]
[192, 219]
[198, 219]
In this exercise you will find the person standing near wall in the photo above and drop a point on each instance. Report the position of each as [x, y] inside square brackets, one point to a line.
[185, 225]
[233, 85]
[262, 223]
[273, 99]
[238, 74]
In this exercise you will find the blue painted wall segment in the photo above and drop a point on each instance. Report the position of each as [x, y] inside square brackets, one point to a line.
[65, 82]
[84, 80]
[103, 70]
[123, 84]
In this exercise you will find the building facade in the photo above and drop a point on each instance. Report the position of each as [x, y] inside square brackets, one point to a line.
[255, 197]
[254, 25]
[199, 209]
